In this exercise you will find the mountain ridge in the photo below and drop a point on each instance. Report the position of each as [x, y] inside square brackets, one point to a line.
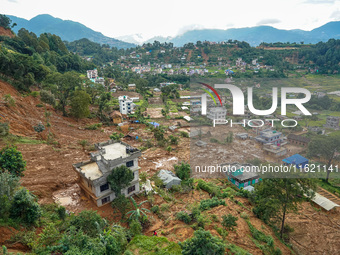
[68, 30]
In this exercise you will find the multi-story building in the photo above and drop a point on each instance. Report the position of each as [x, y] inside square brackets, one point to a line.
[92, 174]
[92, 74]
[269, 136]
[332, 122]
[217, 113]
[126, 105]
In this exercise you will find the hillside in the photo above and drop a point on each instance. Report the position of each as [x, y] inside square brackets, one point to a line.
[68, 30]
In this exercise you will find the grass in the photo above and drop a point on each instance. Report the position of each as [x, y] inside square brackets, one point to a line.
[236, 250]
[12, 139]
[331, 186]
[152, 245]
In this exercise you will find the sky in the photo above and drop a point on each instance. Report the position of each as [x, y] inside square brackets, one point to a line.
[169, 18]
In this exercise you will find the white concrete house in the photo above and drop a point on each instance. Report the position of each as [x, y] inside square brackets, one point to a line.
[92, 174]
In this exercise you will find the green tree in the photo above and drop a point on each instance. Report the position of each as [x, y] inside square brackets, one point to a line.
[12, 161]
[229, 221]
[183, 171]
[63, 85]
[203, 243]
[8, 186]
[135, 227]
[122, 204]
[120, 178]
[89, 222]
[138, 213]
[4, 21]
[326, 148]
[80, 103]
[24, 207]
[47, 97]
[275, 198]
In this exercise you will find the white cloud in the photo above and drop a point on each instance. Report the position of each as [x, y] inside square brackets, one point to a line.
[320, 1]
[268, 22]
[187, 28]
[335, 15]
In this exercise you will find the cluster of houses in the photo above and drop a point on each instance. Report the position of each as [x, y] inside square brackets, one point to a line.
[93, 76]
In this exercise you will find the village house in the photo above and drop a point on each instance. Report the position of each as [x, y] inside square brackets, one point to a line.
[269, 136]
[332, 122]
[116, 117]
[241, 175]
[217, 113]
[132, 87]
[298, 140]
[126, 105]
[92, 174]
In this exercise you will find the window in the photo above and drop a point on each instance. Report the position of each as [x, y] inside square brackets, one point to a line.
[104, 187]
[105, 200]
[132, 188]
[129, 163]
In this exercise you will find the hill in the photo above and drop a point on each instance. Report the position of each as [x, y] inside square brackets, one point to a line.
[256, 35]
[68, 30]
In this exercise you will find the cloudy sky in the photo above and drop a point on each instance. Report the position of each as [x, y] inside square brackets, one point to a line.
[168, 18]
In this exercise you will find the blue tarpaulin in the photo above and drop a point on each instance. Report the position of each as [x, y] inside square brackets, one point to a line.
[297, 160]
[155, 124]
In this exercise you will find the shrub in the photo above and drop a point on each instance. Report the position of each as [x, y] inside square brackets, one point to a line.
[35, 93]
[94, 126]
[47, 97]
[184, 134]
[244, 215]
[229, 221]
[39, 105]
[183, 216]
[116, 137]
[9, 100]
[209, 187]
[183, 171]
[155, 209]
[210, 203]
[203, 242]
[39, 128]
[24, 207]
[4, 129]
[135, 227]
[12, 161]
[89, 222]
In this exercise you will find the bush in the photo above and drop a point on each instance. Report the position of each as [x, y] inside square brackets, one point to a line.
[183, 216]
[183, 171]
[116, 137]
[9, 100]
[47, 97]
[24, 207]
[89, 222]
[39, 128]
[4, 129]
[39, 105]
[184, 134]
[155, 209]
[203, 242]
[209, 187]
[210, 203]
[229, 221]
[94, 126]
[12, 161]
[244, 215]
[35, 93]
[135, 227]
